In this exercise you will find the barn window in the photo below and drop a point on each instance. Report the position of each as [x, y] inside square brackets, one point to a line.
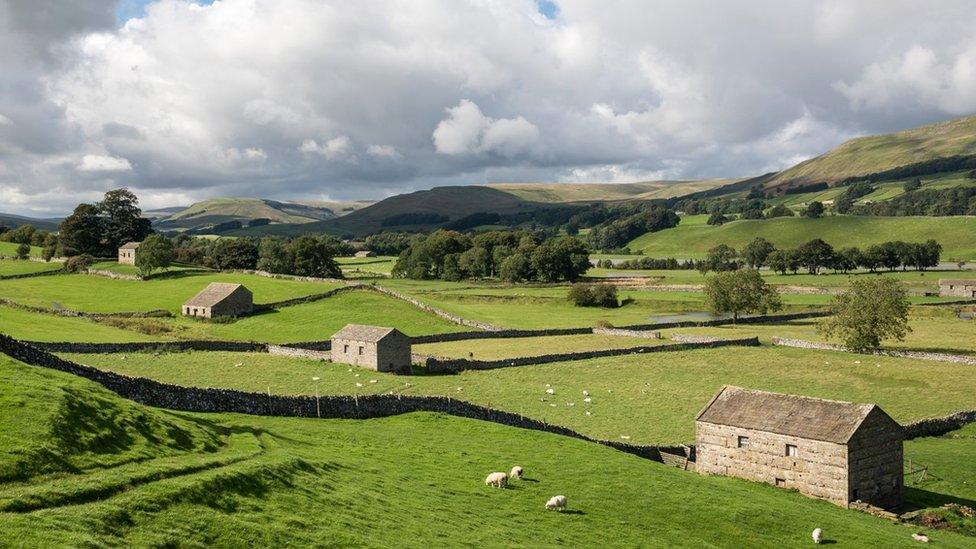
[791, 450]
[345, 348]
[781, 482]
[360, 349]
[743, 442]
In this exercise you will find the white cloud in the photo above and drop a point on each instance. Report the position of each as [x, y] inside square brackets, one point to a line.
[4, 121]
[101, 163]
[466, 130]
[298, 98]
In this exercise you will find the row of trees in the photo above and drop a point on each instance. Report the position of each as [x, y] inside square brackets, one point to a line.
[817, 254]
[509, 255]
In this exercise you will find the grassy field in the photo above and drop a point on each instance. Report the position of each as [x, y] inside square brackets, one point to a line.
[42, 327]
[884, 190]
[105, 295]
[693, 241]
[934, 329]
[494, 349]
[9, 248]
[651, 398]
[116, 267]
[365, 266]
[951, 467]
[123, 474]
[16, 267]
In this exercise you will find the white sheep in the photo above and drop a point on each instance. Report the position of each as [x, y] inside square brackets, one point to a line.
[920, 537]
[516, 472]
[556, 503]
[498, 480]
[817, 535]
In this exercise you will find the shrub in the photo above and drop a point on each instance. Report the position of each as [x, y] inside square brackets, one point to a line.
[23, 251]
[78, 263]
[593, 295]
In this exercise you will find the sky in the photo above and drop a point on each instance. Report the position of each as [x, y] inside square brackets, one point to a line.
[335, 100]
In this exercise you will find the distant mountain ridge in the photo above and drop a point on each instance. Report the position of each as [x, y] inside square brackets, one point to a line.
[13, 221]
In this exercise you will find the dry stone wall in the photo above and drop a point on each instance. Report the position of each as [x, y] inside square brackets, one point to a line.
[621, 332]
[191, 399]
[150, 346]
[296, 352]
[939, 357]
[32, 275]
[693, 338]
[156, 313]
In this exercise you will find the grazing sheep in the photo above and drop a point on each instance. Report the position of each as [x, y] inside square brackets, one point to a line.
[817, 535]
[498, 480]
[557, 503]
[516, 472]
[920, 537]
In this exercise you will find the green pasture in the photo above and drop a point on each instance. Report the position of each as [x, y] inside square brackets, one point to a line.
[105, 295]
[82, 467]
[650, 398]
[693, 241]
[44, 327]
[498, 348]
[10, 248]
[16, 267]
[380, 265]
[115, 267]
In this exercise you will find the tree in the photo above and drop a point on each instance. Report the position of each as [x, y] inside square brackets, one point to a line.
[234, 253]
[720, 258]
[476, 262]
[816, 254]
[913, 185]
[81, 232]
[847, 259]
[155, 252]
[779, 261]
[717, 219]
[124, 221]
[814, 210]
[515, 268]
[756, 252]
[869, 312]
[274, 256]
[593, 295]
[563, 258]
[23, 251]
[779, 210]
[315, 256]
[737, 292]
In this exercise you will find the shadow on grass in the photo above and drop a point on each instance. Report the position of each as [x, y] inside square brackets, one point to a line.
[919, 498]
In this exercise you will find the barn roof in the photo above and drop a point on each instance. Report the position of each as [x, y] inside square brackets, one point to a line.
[130, 246]
[957, 282]
[359, 332]
[213, 294]
[792, 415]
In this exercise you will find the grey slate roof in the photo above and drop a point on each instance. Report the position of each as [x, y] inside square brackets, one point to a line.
[130, 246]
[957, 282]
[214, 293]
[792, 415]
[359, 332]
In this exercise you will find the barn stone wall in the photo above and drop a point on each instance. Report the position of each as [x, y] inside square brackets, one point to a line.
[819, 469]
[875, 461]
[938, 357]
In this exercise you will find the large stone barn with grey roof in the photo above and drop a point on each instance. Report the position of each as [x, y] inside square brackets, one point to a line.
[127, 253]
[838, 451]
[220, 299]
[957, 287]
[373, 347]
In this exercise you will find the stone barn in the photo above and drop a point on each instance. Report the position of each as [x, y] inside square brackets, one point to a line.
[957, 288]
[365, 253]
[220, 299]
[374, 347]
[838, 451]
[127, 253]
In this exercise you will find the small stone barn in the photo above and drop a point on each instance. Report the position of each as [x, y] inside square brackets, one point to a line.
[127, 253]
[365, 253]
[220, 299]
[957, 287]
[838, 451]
[373, 347]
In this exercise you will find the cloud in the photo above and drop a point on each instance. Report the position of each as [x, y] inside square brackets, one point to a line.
[466, 130]
[291, 99]
[100, 163]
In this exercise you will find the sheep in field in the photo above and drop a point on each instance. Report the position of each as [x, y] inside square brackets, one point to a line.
[817, 535]
[920, 537]
[557, 503]
[516, 472]
[498, 480]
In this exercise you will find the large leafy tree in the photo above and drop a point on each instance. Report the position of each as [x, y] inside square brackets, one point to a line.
[738, 292]
[81, 232]
[315, 256]
[563, 258]
[155, 252]
[756, 252]
[124, 221]
[815, 255]
[869, 312]
[235, 253]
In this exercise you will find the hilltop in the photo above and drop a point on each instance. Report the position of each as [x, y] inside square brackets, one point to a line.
[245, 210]
[606, 192]
[919, 148]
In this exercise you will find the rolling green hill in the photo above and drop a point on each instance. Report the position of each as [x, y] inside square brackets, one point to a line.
[692, 238]
[81, 467]
[220, 210]
[605, 192]
[878, 153]
[13, 221]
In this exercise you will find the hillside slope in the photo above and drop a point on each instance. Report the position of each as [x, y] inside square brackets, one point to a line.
[606, 192]
[878, 153]
[220, 210]
[693, 239]
[12, 221]
[307, 482]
